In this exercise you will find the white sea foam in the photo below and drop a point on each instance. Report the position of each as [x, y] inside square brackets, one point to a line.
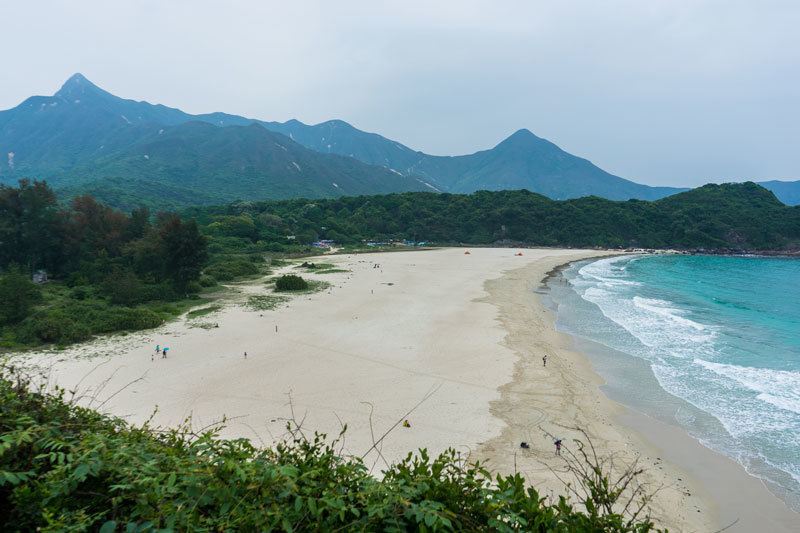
[665, 309]
[657, 324]
[759, 408]
[780, 388]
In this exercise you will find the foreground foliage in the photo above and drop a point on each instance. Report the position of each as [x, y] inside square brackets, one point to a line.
[67, 468]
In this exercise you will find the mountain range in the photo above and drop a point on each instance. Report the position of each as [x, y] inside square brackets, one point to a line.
[126, 152]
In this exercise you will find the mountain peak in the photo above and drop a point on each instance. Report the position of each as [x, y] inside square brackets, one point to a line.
[76, 86]
[520, 138]
[523, 134]
[77, 78]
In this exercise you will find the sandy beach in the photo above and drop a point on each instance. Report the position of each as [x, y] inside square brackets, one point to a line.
[450, 341]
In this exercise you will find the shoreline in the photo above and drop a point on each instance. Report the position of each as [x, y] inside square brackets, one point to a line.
[740, 501]
[566, 395]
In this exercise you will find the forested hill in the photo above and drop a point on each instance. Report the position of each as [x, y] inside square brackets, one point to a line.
[731, 216]
[84, 139]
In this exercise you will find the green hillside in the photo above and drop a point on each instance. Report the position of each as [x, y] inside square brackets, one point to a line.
[85, 139]
[241, 162]
[730, 216]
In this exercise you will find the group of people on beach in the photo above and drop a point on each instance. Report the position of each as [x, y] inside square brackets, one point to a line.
[161, 351]
[558, 443]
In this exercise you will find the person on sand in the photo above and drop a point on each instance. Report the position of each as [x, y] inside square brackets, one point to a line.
[558, 446]
[158, 349]
[544, 360]
[164, 352]
[245, 355]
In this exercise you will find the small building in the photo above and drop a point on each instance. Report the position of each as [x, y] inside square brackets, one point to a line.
[39, 277]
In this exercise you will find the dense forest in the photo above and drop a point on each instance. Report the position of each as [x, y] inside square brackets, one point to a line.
[110, 267]
[731, 216]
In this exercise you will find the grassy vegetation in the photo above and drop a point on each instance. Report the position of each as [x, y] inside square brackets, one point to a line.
[67, 468]
[331, 271]
[321, 268]
[315, 285]
[195, 313]
[230, 267]
[265, 302]
[67, 315]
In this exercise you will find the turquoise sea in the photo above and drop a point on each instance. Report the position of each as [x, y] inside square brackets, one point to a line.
[710, 343]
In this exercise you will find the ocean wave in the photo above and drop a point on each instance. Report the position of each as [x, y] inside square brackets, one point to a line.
[606, 272]
[657, 324]
[668, 311]
[681, 321]
[780, 388]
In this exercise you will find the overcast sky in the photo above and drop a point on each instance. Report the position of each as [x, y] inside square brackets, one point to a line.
[677, 92]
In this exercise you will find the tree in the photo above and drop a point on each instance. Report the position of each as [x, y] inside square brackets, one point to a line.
[18, 294]
[184, 250]
[138, 224]
[123, 287]
[31, 231]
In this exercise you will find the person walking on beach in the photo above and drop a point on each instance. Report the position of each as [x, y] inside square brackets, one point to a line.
[245, 355]
[544, 360]
[558, 446]
[164, 352]
[158, 349]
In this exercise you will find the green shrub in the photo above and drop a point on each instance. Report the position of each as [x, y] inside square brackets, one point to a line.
[80, 292]
[207, 281]
[129, 318]
[67, 468]
[123, 288]
[164, 292]
[229, 270]
[290, 282]
[193, 287]
[54, 327]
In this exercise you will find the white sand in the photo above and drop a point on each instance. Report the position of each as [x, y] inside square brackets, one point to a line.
[363, 342]
[424, 327]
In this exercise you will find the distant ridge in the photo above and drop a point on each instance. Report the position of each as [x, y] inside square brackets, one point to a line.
[84, 138]
[83, 135]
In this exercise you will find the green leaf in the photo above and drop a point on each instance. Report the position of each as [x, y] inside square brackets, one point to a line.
[81, 471]
[108, 527]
